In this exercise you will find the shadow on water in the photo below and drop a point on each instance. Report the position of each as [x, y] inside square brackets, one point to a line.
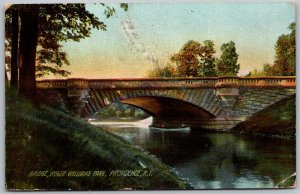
[177, 147]
[236, 161]
[211, 160]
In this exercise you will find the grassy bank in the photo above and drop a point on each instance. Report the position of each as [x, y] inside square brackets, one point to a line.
[49, 149]
[278, 120]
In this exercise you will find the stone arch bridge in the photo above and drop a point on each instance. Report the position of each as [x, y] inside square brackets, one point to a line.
[214, 103]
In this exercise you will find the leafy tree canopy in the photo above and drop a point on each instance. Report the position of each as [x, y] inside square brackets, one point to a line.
[285, 57]
[227, 64]
[187, 59]
[58, 23]
[285, 49]
[268, 70]
[163, 72]
[195, 59]
[207, 61]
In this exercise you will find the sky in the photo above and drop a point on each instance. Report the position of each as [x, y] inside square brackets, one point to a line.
[149, 33]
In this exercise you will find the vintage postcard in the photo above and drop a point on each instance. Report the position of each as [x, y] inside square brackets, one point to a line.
[150, 96]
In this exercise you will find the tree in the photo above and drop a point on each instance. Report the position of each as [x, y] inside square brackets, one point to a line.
[268, 70]
[43, 28]
[187, 59]
[27, 50]
[207, 62]
[285, 52]
[193, 59]
[164, 72]
[227, 64]
[285, 56]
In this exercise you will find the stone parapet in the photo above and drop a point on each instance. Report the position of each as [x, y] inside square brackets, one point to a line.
[167, 83]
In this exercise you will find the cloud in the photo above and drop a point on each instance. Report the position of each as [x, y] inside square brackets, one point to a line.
[136, 44]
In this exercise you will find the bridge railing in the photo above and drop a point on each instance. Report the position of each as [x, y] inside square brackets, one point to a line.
[56, 83]
[272, 81]
[77, 83]
[210, 82]
[287, 81]
[152, 83]
[63, 83]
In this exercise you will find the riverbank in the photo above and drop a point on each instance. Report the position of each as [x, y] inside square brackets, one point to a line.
[278, 120]
[48, 149]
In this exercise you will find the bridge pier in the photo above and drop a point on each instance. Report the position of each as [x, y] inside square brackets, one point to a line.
[228, 98]
[227, 91]
[77, 95]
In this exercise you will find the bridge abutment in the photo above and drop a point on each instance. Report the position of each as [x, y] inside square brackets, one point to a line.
[228, 98]
[78, 95]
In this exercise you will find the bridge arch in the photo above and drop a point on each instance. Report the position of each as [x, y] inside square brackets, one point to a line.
[201, 103]
[168, 107]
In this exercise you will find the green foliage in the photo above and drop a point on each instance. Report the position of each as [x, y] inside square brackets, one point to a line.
[268, 70]
[120, 110]
[207, 61]
[193, 60]
[187, 59]
[58, 23]
[227, 64]
[197, 60]
[43, 138]
[285, 58]
[163, 72]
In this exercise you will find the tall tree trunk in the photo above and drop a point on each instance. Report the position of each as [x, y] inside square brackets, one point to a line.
[14, 48]
[27, 50]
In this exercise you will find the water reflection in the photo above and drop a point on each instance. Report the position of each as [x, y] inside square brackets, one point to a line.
[216, 160]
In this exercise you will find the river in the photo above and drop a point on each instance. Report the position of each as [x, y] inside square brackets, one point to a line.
[214, 160]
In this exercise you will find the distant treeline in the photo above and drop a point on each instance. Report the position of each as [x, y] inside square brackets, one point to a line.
[285, 57]
[197, 59]
[120, 110]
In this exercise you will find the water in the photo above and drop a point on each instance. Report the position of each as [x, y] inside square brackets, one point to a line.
[214, 160]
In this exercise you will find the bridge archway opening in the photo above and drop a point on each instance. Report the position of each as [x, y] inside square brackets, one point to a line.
[170, 112]
[165, 107]
[120, 111]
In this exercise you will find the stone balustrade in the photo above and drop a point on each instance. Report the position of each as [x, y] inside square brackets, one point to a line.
[77, 83]
[281, 81]
[208, 82]
[48, 84]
